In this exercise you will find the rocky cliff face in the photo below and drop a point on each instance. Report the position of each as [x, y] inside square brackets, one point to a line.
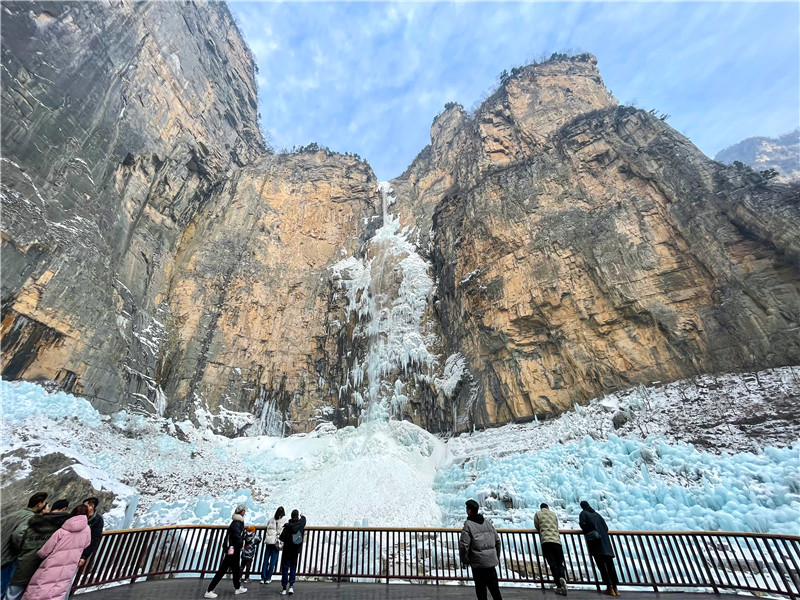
[763, 153]
[143, 265]
[583, 247]
[557, 246]
[119, 121]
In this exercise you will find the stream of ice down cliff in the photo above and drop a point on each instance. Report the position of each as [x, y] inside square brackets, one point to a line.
[388, 290]
[642, 475]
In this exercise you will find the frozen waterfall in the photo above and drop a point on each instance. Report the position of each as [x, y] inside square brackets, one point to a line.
[388, 292]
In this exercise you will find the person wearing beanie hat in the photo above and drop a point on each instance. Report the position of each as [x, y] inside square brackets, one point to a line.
[479, 547]
[292, 538]
[598, 542]
[60, 557]
[231, 554]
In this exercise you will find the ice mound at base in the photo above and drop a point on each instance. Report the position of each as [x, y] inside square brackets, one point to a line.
[391, 473]
[380, 473]
[636, 485]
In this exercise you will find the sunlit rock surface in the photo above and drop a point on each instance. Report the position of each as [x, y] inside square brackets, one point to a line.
[763, 153]
[581, 247]
[550, 248]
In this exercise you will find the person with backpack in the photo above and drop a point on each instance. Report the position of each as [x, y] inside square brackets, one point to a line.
[231, 557]
[272, 544]
[292, 538]
[251, 542]
[598, 542]
[479, 547]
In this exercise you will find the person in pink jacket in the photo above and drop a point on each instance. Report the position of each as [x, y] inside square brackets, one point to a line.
[61, 554]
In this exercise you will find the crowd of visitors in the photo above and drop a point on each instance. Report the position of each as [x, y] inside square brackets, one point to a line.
[479, 548]
[283, 536]
[43, 546]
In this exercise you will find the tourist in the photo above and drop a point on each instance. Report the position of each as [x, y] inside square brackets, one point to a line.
[40, 529]
[595, 531]
[61, 554]
[546, 523]
[231, 557]
[251, 542]
[479, 547]
[272, 544]
[96, 525]
[292, 538]
[12, 527]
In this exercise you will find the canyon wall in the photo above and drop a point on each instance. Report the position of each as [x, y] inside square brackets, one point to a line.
[583, 247]
[157, 257]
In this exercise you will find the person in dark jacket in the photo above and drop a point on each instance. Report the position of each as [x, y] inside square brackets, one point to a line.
[479, 547]
[40, 528]
[595, 531]
[96, 525]
[292, 538]
[12, 527]
[251, 542]
[232, 551]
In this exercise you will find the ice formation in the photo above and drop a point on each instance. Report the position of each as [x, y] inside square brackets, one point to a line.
[395, 474]
[388, 292]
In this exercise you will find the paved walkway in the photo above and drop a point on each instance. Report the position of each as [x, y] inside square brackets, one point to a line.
[180, 589]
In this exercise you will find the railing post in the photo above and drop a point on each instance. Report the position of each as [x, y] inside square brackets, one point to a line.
[341, 551]
[387, 556]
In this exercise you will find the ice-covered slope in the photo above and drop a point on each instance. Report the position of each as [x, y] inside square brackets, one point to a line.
[643, 475]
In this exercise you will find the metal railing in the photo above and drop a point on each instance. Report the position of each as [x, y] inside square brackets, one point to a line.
[657, 560]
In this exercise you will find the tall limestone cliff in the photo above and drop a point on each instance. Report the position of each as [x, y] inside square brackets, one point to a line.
[155, 257]
[582, 247]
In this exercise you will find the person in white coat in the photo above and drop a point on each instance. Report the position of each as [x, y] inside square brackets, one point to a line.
[272, 544]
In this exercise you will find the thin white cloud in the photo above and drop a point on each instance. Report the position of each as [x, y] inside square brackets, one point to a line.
[369, 77]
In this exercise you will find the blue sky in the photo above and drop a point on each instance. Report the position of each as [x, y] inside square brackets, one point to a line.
[368, 77]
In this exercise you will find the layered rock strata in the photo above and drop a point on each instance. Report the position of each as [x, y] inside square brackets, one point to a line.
[143, 265]
[584, 247]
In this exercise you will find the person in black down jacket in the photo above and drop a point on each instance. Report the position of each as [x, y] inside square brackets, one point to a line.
[96, 525]
[292, 538]
[479, 547]
[595, 531]
[232, 550]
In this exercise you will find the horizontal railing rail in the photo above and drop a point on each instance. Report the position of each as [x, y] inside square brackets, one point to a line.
[652, 559]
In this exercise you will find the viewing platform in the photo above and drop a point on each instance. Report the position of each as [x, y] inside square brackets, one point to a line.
[180, 589]
[338, 562]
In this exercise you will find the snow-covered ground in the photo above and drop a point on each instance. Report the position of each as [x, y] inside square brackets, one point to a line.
[717, 453]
